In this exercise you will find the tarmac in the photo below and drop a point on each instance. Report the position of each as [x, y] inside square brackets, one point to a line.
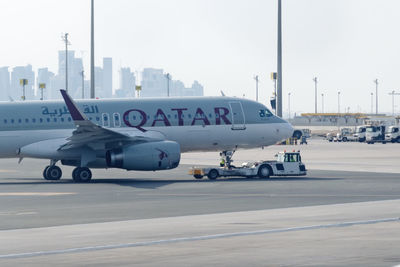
[345, 212]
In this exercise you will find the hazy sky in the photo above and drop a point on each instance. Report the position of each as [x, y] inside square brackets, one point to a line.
[224, 43]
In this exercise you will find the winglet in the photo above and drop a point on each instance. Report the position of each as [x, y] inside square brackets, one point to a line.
[76, 114]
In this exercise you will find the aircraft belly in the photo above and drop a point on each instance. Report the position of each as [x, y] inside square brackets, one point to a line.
[218, 138]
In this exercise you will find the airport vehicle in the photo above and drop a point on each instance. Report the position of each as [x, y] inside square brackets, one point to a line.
[329, 137]
[344, 135]
[338, 137]
[287, 164]
[359, 135]
[392, 134]
[146, 134]
[375, 134]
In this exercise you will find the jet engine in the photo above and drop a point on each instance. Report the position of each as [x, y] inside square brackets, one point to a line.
[149, 156]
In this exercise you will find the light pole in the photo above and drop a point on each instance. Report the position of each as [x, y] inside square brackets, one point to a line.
[83, 83]
[42, 86]
[315, 84]
[338, 101]
[92, 78]
[289, 103]
[256, 78]
[23, 82]
[279, 67]
[322, 98]
[138, 88]
[168, 76]
[393, 93]
[274, 77]
[67, 43]
[372, 102]
[376, 95]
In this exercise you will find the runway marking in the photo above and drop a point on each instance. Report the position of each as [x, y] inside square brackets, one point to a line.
[5, 171]
[41, 194]
[17, 213]
[191, 239]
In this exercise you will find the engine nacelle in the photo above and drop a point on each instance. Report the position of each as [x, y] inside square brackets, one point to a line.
[150, 156]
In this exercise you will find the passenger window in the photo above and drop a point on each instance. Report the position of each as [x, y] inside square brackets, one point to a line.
[105, 121]
[117, 122]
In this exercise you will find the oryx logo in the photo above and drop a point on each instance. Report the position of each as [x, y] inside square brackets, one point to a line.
[162, 154]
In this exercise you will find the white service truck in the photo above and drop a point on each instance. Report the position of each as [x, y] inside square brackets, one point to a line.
[359, 135]
[392, 134]
[286, 164]
[375, 134]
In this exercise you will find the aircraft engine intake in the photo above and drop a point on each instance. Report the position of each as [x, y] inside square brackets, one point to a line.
[149, 156]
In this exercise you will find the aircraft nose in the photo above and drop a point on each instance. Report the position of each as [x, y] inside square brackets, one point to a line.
[287, 130]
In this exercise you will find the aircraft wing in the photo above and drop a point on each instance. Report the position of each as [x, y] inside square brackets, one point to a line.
[88, 133]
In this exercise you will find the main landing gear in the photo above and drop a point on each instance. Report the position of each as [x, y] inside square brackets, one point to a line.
[52, 172]
[79, 174]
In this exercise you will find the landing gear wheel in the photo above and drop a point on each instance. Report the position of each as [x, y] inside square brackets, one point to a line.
[52, 173]
[45, 172]
[263, 172]
[81, 175]
[213, 174]
[198, 176]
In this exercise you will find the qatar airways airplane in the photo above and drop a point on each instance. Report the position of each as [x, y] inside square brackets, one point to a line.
[133, 134]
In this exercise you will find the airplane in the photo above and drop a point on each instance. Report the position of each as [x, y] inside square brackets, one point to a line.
[146, 134]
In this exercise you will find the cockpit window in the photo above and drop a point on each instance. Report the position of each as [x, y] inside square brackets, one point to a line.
[265, 113]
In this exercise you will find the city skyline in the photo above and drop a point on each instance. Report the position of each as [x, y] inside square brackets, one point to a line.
[153, 82]
[224, 44]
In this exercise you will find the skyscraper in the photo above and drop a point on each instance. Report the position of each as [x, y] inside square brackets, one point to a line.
[4, 83]
[107, 77]
[16, 90]
[154, 83]
[75, 67]
[99, 82]
[44, 76]
[127, 83]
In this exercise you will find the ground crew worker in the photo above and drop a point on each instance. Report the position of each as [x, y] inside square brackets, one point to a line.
[222, 163]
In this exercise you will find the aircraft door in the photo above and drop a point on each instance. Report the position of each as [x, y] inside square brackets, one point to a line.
[238, 119]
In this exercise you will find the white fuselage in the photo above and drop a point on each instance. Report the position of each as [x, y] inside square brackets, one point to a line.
[22, 124]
